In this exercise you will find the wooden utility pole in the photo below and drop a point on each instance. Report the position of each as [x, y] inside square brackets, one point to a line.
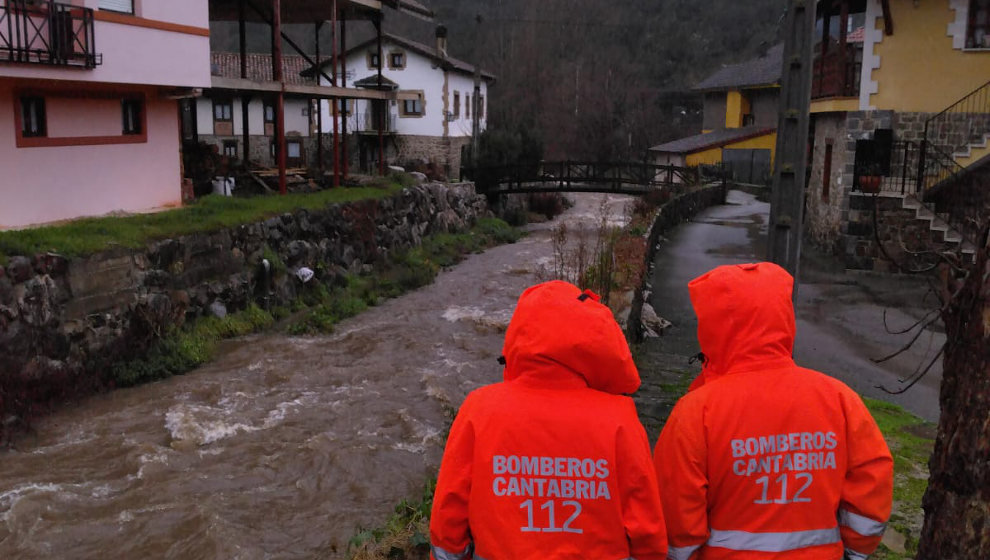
[277, 77]
[475, 106]
[787, 196]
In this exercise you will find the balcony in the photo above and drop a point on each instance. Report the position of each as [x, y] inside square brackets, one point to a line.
[836, 70]
[47, 32]
[369, 122]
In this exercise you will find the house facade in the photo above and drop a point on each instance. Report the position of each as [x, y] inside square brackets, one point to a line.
[430, 120]
[217, 117]
[739, 123]
[900, 112]
[91, 91]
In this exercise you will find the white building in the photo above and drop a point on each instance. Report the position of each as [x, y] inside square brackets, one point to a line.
[219, 117]
[430, 120]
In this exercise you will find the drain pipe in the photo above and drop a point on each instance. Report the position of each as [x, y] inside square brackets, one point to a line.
[266, 275]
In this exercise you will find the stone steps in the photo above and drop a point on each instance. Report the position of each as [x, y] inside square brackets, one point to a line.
[937, 223]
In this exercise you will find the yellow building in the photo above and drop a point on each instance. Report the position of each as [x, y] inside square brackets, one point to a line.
[900, 105]
[740, 121]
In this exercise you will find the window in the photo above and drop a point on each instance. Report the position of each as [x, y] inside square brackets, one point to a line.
[412, 107]
[269, 109]
[374, 60]
[223, 111]
[345, 106]
[124, 6]
[978, 25]
[748, 120]
[827, 171]
[481, 106]
[293, 149]
[457, 104]
[131, 115]
[467, 106]
[397, 60]
[230, 149]
[33, 122]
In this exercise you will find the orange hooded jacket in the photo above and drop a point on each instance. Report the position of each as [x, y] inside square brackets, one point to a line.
[763, 459]
[552, 463]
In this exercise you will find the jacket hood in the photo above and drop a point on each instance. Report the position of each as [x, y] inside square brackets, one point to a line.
[561, 337]
[745, 318]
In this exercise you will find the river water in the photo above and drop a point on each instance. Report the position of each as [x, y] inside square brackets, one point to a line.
[283, 447]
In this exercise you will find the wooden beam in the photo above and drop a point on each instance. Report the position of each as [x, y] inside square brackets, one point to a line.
[888, 22]
[320, 92]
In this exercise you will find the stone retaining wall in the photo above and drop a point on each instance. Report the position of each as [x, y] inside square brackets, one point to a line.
[679, 209]
[58, 316]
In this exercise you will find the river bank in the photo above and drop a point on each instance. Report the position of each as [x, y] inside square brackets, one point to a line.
[67, 324]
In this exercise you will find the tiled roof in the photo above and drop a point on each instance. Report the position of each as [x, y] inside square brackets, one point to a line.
[712, 139]
[427, 51]
[259, 67]
[760, 71]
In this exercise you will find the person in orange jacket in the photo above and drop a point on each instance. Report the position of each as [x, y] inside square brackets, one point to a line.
[764, 459]
[551, 463]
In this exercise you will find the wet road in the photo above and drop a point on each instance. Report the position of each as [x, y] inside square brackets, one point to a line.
[840, 316]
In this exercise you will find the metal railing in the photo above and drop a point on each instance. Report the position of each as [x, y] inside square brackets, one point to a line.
[899, 177]
[623, 177]
[371, 121]
[962, 124]
[47, 32]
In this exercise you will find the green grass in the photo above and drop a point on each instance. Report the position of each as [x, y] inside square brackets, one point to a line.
[210, 213]
[405, 271]
[184, 349]
[911, 442]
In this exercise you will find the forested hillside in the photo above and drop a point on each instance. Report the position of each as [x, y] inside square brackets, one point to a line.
[595, 78]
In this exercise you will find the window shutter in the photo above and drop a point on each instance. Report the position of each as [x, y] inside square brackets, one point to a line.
[126, 6]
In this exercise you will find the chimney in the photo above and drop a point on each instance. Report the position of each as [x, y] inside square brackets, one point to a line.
[441, 41]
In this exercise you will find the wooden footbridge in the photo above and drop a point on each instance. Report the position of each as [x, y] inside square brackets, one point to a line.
[633, 178]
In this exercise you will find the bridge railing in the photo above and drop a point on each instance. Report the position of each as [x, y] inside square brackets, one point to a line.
[560, 175]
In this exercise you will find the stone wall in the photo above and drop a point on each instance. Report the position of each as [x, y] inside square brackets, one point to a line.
[826, 212]
[261, 147]
[677, 210]
[905, 242]
[58, 316]
[445, 152]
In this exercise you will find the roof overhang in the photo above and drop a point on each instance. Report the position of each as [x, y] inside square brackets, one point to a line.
[241, 86]
[297, 11]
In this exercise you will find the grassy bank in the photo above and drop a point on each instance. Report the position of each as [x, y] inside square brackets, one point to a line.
[210, 213]
[318, 308]
[911, 441]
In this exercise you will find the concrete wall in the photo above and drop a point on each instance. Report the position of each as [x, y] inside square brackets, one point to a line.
[103, 174]
[764, 104]
[712, 156]
[677, 210]
[927, 42]
[163, 43]
[714, 111]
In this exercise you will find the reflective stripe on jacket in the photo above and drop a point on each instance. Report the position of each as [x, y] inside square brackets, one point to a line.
[764, 459]
[552, 463]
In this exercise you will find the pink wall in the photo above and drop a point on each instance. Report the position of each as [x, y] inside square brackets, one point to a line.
[136, 54]
[82, 117]
[46, 184]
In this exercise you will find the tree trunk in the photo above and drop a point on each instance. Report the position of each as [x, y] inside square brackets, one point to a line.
[957, 502]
